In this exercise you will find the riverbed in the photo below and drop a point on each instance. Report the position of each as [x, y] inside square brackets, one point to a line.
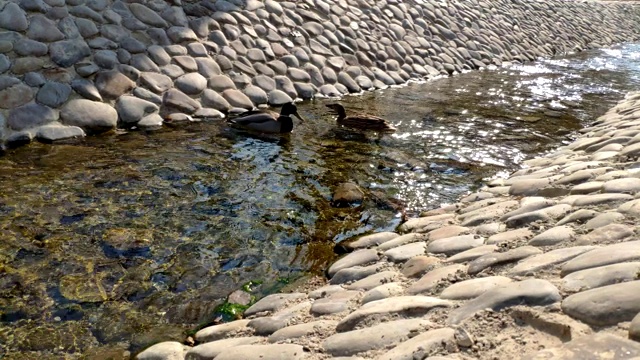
[128, 238]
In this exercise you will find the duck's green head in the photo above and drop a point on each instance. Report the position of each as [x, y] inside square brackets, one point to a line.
[289, 109]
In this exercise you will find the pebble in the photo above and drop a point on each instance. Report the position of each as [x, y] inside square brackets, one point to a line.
[356, 258]
[263, 352]
[169, 350]
[334, 303]
[454, 245]
[374, 280]
[492, 259]
[212, 349]
[600, 276]
[510, 236]
[31, 115]
[422, 345]
[382, 292]
[553, 236]
[55, 132]
[634, 328]
[472, 253]
[533, 292]
[607, 234]
[596, 346]
[91, 116]
[473, 288]
[532, 264]
[611, 254]
[354, 273]
[221, 331]
[433, 277]
[273, 302]
[406, 252]
[132, 109]
[296, 331]
[373, 239]
[373, 338]
[400, 305]
[418, 265]
[606, 305]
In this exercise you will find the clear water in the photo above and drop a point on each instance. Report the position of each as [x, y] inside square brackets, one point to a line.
[116, 241]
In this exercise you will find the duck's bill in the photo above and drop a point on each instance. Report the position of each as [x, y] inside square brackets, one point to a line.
[298, 116]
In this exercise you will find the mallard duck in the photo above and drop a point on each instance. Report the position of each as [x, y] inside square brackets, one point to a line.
[268, 121]
[361, 121]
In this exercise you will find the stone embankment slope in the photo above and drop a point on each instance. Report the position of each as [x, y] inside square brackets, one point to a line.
[75, 67]
[542, 265]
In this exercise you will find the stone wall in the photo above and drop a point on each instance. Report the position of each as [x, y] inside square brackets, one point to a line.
[75, 67]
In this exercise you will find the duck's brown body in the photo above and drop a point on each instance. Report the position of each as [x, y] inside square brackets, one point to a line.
[268, 121]
[361, 121]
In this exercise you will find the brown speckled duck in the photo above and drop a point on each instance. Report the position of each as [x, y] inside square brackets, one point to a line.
[361, 121]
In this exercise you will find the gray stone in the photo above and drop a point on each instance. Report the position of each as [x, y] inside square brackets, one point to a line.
[472, 254]
[168, 350]
[143, 63]
[268, 325]
[212, 349]
[27, 47]
[354, 273]
[221, 331]
[453, 245]
[53, 94]
[208, 67]
[220, 83]
[214, 100]
[612, 254]
[5, 46]
[86, 70]
[86, 28]
[34, 79]
[186, 62]
[208, 113]
[593, 347]
[405, 252]
[300, 330]
[178, 100]
[600, 199]
[542, 261]
[383, 291]
[553, 236]
[5, 63]
[401, 305]
[43, 29]
[15, 96]
[112, 84]
[92, 117]
[23, 65]
[473, 288]
[277, 98]
[30, 116]
[13, 18]
[147, 15]
[579, 216]
[603, 220]
[489, 260]
[180, 34]
[373, 239]
[375, 337]
[86, 89]
[402, 240]
[68, 52]
[533, 292]
[607, 234]
[132, 109]
[106, 59]
[159, 55]
[600, 276]
[634, 328]
[375, 280]
[157, 83]
[336, 302]
[273, 302]
[604, 306]
[356, 258]
[56, 132]
[420, 346]
[256, 94]
[102, 43]
[237, 99]
[263, 352]
[419, 265]
[431, 279]
[191, 84]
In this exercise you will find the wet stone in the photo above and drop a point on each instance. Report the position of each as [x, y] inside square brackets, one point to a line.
[375, 337]
[473, 288]
[533, 292]
[489, 260]
[553, 236]
[597, 346]
[607, 305]
[431, 279]
[419, 265]
[13, 18]
[542, 261]
[263, 352]
[145, 94]
[147, 15]
[278, 97]
[112, 84]
[191, 84]
[27, 47]
[272, 303]
[132, 109]
[212, 349]
[268, 325]
[15, 96]
[607, 234]
[401, 240]
[91, 116]
[611, 254]
[414, 306]
[300, 330]
[417, 223]
[43, 29]
[221, 331]
[356, 258]
[55, 132]
[600, 276]
[208, 113]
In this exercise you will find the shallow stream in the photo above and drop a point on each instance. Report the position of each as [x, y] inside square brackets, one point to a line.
[117, 241]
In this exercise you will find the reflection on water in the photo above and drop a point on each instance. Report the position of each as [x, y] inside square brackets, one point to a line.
[126, 238]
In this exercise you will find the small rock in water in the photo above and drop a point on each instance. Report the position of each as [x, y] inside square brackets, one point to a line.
[347, 194]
